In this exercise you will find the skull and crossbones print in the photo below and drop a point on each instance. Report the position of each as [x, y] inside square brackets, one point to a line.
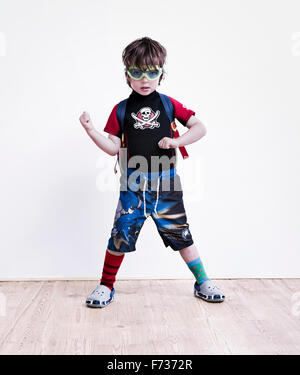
[146, 118]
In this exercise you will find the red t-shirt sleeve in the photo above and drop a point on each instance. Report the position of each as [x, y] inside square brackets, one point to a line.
[112, 126]
[181, 113]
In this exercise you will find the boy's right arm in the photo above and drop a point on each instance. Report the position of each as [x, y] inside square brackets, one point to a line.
[109, 145]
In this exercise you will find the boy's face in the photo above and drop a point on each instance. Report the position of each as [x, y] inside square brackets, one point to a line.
[143, 86]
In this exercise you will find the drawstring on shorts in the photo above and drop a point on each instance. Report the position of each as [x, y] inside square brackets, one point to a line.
[157, 194]
[144, 196]
[163, 175]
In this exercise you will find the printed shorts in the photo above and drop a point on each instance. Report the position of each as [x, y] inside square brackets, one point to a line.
[160, 198]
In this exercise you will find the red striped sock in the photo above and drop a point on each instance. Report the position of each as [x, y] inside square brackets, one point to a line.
[110, 268]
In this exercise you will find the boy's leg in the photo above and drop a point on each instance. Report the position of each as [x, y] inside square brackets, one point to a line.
[114, 252]
[128, 221]
[112, 263]
[204, 287]
[191, 256]
[104, 292]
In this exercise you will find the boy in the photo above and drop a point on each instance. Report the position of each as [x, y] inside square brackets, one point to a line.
[153, 189]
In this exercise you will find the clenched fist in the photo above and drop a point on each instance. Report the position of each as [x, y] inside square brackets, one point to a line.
[86, 121]
[167, 142]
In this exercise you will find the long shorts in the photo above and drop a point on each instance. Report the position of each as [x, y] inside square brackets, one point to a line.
[160, 196]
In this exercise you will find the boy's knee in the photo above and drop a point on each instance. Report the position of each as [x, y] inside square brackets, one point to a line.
[114, 252]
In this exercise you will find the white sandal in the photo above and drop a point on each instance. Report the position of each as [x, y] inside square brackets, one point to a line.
[100, 297]
[208, 291]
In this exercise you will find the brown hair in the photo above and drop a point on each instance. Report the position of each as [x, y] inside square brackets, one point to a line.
[144, 52]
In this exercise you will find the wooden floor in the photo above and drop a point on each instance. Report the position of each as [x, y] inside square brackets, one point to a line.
[259, 316]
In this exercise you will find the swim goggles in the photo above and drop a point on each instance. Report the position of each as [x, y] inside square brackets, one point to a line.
[137, 74]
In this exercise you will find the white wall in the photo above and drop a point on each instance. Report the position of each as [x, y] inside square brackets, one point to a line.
[236, 63]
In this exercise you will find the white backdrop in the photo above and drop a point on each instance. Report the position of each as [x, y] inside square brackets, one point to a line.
[235, 63]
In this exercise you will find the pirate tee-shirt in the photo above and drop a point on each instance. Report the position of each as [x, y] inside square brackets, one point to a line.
[145, 124]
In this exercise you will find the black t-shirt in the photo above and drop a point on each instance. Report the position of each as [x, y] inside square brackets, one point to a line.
[145, 124]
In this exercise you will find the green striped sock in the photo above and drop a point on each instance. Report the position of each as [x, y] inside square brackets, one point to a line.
[196, 266]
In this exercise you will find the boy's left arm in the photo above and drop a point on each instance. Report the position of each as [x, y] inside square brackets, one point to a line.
[196, 131]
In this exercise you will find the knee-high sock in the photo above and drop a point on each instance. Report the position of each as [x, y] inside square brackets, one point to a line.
[197, 268]
[110, 268]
